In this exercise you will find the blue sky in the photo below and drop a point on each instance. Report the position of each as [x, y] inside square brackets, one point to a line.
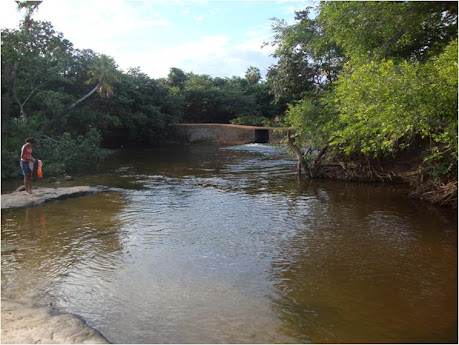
[220, 38]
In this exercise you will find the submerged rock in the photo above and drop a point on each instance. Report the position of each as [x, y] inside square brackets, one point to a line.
[42, 195]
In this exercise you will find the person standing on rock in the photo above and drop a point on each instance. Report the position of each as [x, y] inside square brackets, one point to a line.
[26, 158]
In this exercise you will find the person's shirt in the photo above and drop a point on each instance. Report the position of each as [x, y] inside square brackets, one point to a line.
[26, 153]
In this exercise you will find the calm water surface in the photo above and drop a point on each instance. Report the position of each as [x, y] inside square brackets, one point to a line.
[205, 244]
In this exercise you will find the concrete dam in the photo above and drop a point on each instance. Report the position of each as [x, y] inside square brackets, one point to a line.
[227, 134]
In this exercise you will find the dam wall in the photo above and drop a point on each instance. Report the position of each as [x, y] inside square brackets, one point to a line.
[226, 133]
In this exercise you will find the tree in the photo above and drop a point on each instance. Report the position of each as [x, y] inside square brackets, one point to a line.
[217, 100]
[140, 111]
[176, 78]
[307, 61]
[30, 7]
[253, 75]
[405, 29]
[104, 72]
[390, 86]
[44, 62]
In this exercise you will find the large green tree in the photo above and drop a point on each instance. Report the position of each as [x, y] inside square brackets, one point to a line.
[397, 91]
[104, 73]
[398, 29]
[9, 69]
[307, 61]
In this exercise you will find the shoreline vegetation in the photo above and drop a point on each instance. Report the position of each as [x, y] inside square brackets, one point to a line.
[368, 84]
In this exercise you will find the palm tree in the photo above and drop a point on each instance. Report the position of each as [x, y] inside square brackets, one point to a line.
[253, 75]
[104, 72]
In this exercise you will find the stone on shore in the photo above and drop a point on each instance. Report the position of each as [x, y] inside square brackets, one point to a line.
[25, 325]
[43, 195]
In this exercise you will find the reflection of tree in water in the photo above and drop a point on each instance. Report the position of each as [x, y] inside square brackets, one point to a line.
[55, 240]
[360, 269]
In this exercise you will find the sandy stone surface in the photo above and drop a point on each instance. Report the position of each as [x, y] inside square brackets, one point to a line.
[42, 195]
[25, 325]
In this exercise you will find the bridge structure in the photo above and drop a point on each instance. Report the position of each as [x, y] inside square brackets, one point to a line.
[227, 134]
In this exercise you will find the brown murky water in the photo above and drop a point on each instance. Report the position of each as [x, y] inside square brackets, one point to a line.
[223, 245]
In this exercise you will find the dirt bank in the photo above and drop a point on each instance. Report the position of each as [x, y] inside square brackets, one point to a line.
[405, 171]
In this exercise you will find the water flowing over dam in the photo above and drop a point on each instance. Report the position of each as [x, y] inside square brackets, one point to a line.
[227, 134]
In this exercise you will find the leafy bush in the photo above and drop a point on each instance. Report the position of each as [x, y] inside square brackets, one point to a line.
[384, 106]
[71, 155]
[64, 156]
[10, 164]
[380, 107]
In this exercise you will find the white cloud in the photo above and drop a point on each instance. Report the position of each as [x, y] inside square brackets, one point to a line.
[133, 33]
[214, 55]
[87, 22]
[156, 22]
[254, 40]
[9, 16]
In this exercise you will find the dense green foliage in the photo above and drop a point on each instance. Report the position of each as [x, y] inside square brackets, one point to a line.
[219, 100]
[251, 121]
[393, 86]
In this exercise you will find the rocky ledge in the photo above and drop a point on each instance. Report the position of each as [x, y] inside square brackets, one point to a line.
[43, 195]
[22, 324]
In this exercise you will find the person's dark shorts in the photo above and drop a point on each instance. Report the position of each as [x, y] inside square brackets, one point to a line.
[25, 168]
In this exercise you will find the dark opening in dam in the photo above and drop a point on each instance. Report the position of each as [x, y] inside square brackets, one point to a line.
[261, 136]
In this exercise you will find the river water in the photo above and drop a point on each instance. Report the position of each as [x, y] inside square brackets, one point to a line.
[208, 244]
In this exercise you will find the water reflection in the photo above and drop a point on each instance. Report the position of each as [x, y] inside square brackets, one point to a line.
[365, 273]
[225, 245]
[42, 245]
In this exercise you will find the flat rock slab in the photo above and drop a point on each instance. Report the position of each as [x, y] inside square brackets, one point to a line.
[43, 195]
[25, 325]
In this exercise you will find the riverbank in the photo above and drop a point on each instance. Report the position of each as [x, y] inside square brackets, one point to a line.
[23, 324]
[406, 167]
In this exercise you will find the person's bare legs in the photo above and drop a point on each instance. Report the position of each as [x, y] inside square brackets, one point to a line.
[28, 184]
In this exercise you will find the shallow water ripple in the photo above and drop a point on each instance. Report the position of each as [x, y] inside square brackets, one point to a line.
[225, 245]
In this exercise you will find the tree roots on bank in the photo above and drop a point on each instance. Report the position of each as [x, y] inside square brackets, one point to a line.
[444, 194]
[423, 187]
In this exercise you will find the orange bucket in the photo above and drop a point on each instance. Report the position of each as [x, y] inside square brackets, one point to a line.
[39, 171]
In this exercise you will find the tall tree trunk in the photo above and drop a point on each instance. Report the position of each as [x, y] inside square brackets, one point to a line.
[299, 155]
[313, 170]
[57, 118]
[6, 101]
[21, 106]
